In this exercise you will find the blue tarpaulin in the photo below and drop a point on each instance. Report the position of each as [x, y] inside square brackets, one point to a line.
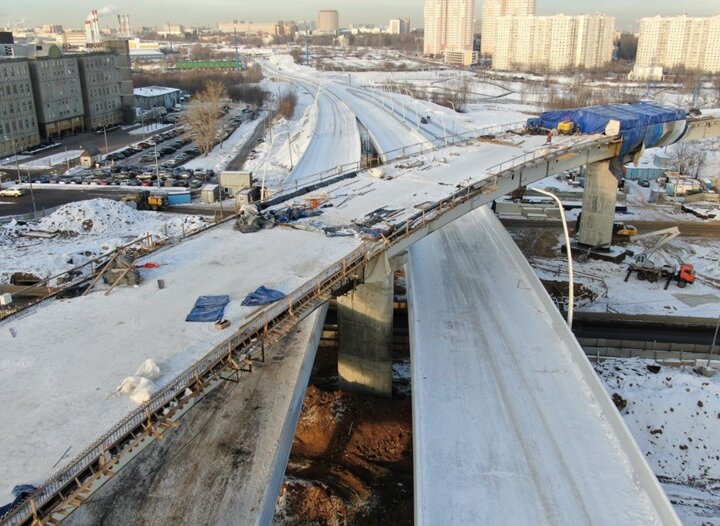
[21, 491]
[641, 123]
[262, 296]
[208, 308]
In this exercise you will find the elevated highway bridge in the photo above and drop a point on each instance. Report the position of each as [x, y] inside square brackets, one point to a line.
[419, 198]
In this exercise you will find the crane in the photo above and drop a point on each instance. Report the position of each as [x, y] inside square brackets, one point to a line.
[646, 269]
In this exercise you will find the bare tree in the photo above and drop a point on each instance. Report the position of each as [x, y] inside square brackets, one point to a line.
[202, 117]
[688, 159]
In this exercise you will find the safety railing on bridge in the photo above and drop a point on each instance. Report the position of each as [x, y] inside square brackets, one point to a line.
[331, 175]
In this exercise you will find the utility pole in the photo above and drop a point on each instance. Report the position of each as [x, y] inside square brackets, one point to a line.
[237, 53]
[32, 194]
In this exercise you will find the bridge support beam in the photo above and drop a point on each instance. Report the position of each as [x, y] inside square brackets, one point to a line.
[598, 210]
[365, 318]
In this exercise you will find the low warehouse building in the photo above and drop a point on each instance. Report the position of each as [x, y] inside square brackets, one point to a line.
[156, 97]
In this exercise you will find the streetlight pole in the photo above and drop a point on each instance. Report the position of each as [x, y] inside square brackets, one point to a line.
[571, 282]
[32, 194]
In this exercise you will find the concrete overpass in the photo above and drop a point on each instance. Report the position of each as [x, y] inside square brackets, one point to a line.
[472, 181]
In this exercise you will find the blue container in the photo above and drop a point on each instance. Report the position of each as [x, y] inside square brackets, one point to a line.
[179, 198]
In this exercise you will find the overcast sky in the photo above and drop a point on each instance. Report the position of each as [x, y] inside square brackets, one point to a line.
[72, 13]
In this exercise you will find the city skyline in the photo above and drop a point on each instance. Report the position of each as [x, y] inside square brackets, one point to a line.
[187, 12]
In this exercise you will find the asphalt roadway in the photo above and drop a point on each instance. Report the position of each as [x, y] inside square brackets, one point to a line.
[46, 198]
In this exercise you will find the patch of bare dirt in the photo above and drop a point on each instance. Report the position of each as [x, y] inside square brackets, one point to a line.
[536, 242]
[351, 462]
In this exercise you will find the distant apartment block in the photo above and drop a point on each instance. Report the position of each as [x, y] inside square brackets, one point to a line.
[18, 120]
[328, 21]
[553, 43]
[100, 84]
[248, 28]
[680, 41]
[171, 30]
[491, 11]
[448, 26]
[58, 95]
[73, 40]
[399, 26]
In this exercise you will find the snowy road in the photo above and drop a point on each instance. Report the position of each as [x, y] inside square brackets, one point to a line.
[511, 425]
[335, 142]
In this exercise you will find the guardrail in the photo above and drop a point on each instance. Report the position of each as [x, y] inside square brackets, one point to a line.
[330, 175]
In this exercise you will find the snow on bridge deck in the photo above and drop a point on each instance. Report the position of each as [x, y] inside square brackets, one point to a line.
[511, 424]
[60, 365]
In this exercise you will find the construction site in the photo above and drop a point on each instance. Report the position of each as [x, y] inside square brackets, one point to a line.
[465, 333]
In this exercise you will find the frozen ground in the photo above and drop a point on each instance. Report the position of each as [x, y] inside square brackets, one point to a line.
[613, 294]
[149, 129]
[673, 415]
[79, 231]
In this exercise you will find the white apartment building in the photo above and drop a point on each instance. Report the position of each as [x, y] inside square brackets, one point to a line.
[491, 10]
[671, 42]
[448, 26]
[553, 42]
[399, 26]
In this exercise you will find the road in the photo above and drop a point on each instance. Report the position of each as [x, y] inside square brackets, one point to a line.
[707, 229]
[46, 198]
[335, 141]
[510, 423]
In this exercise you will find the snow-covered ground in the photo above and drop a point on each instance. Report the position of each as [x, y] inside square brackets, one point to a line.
[613, 294]
[673, 415]
[149, 129]
[51, 160]
[79, 231]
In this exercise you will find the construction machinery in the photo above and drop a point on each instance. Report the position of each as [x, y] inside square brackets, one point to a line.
[647, 270]
[623, 230]
[146, 201]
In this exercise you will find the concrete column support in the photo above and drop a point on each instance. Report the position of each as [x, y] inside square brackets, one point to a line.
[598, 211]
[365, 324]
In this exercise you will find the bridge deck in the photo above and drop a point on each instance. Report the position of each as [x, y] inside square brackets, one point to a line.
[511, 426]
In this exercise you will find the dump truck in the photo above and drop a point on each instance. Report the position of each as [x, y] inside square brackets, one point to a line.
[146, 201]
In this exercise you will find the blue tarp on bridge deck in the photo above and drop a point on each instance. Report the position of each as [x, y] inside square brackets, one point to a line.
[641, 123]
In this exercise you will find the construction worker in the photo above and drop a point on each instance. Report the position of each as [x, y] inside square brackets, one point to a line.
[548, 137]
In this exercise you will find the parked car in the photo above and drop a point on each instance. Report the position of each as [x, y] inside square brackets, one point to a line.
[644, 183]
[12, 192]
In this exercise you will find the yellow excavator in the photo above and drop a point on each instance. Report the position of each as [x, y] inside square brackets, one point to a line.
[146, 201]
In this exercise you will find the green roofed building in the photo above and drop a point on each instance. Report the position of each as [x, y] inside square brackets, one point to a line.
[208, 64]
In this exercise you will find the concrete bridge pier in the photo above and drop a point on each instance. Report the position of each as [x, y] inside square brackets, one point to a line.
[365, 328]
[598, 210]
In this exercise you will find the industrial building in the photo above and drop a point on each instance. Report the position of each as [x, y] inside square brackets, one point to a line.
[670, 42]
[491, 11]
[449, 27]
[18, 120]
[100, 84]
[151, 97]
[248, 28]
[553, 43]
[58, 95]
[328, 21]
[399, 26]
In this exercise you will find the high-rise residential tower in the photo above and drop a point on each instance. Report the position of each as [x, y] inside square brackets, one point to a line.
[448, 26]
[491, 10]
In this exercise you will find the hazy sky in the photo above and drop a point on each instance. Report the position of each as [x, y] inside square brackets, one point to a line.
[72, 13]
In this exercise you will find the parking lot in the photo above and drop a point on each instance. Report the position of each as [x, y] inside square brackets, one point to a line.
[153, 161]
